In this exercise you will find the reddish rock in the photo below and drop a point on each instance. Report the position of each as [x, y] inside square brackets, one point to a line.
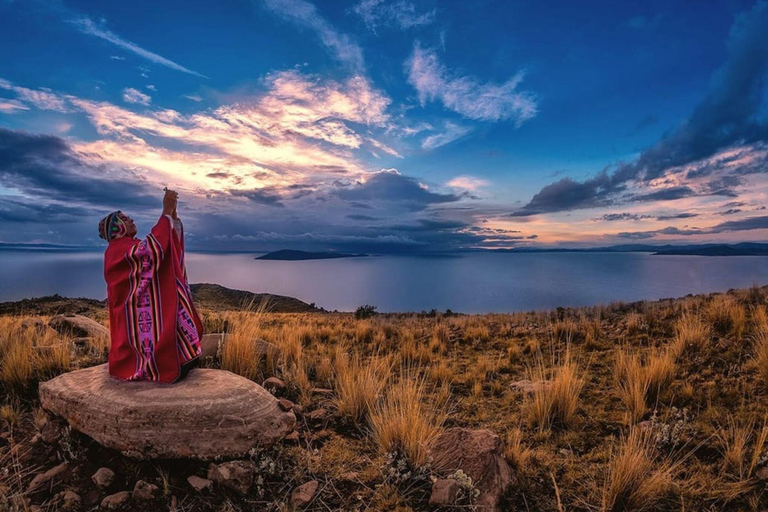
[480, 455]
[303, 495]
[144, 491]
[116, 500]
[50, 478]
[318, 415]
[103, 478]
[285, 405]
[51, 432]
[78, 326]
[71, 501]
[200, 484]
[152, 420]
[274, 385]
[293, 437]
[236, 475]
[445, 492]
[210, 344]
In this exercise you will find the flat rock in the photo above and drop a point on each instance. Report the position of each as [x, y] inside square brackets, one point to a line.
[445, 492]
[480, 455]
[49, 478]
[210, 344]
[209, 414]
[78, 326]
[103, 478]
[200, 484]
[116, 500]
[303, 494]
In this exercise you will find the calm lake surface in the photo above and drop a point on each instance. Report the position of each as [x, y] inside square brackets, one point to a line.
[471, 283]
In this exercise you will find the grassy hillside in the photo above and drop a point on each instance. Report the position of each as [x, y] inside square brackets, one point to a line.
[644, 406]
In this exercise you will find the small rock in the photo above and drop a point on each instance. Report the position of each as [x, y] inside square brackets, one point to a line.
[349, 476]
[116, 500]
[762, 474]
[284, 404]
[318, 415]
[303, 494]
[103, 478]
[293, 437]
[265, 348]
[174, 504]
[210, 344]
[51, 477]
[529, 387]
[236, 475]
[51, 432]
[200, 484]
[323, 392]
[144, 491]
[445, 491]
[72, 500]
[274, 385]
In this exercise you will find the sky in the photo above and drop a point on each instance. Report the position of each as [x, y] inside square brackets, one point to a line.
[386, 126]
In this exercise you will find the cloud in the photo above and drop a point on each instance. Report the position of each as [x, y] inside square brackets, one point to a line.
[467, 183]
[401, 13]
[88, 26]
[729, 116]
[390, 185]
[304, 14]
[466, 95]
[193, 97]
[11, 106]
[451, 132]
[677, 216]
[47, 167]
[131, 95]
[612, 217]
[41, 98]
[747, 224]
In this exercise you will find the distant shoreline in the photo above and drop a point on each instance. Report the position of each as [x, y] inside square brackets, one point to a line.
[293, 255]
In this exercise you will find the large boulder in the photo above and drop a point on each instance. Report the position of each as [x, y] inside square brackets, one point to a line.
[209, 414]
[480, 455]
[78, 326]
[210, 344]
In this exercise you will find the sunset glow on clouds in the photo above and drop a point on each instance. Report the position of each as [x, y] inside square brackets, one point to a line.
[371, 129]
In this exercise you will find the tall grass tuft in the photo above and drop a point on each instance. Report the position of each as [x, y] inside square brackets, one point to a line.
[557, 402]
[240, 354]
[358, 385]
[691, 335]
[402, 422]
[642, 379]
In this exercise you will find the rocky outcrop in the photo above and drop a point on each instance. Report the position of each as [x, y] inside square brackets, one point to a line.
[480, 455]
[209, 414]
[78, 326]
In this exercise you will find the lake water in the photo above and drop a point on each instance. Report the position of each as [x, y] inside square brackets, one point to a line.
[471, 282]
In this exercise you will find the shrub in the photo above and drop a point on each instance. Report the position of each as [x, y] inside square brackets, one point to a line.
[365, 311]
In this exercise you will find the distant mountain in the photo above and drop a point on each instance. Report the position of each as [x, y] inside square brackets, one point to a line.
[740, 249]
[293, 255]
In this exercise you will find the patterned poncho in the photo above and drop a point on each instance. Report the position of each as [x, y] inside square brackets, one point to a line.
[153, 323]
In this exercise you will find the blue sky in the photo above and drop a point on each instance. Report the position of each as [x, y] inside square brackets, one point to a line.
[386, 126]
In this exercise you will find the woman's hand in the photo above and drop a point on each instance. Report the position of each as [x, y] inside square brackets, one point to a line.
[170, 200]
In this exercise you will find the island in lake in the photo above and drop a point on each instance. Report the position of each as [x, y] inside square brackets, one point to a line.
[293, 255]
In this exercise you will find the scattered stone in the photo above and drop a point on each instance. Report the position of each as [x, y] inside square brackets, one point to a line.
[265, 348]
[144, 491]
[529, 387]
[72, 501]
[274, 385]
[51, 432]
[762, 474]
[78, 326]
[445, 492]
[318, 415]
[480, 455]
[116, 500]
[200, 484]
[285, 405]
[236, 475]
[103, 478]
[210, 344]
[293, 437]
[52, 477]
[303, 494]
[151, 420]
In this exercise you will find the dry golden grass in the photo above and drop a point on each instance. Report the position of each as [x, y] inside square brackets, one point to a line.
[556, 403]
[638, 478]
[641, 378]
[358, 386]
[239, 354]
[727, 316]
[692, 334]
[403, 422]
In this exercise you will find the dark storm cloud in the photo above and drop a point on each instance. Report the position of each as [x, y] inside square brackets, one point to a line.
[33, 212]
[728, 115]
[428, 225]
[677, 216]
[666, 194]
[355, 216]
[748, 224]
[731, 211]
[46, 167]
[391, 186]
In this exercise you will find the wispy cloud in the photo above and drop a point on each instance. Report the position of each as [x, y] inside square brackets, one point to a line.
[305, 14]
[401, 13]
[465, 94]
[451, 132]
[11, 106]
[131, 95]
[468, 183]
[88, 26]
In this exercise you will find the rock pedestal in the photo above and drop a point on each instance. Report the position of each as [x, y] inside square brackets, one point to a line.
[209, 414]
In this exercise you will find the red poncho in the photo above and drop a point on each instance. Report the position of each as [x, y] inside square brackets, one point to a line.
[153, 323]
